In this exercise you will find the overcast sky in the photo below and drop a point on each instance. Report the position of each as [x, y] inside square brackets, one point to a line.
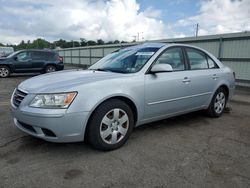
[119, 19]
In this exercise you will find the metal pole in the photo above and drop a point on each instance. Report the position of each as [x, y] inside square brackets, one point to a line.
[197, 30]
[90, 56]
[79, 55]
[71, 56]
[220, 48]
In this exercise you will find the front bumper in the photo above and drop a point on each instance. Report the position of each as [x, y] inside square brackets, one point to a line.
[60, 66]
[59, 127]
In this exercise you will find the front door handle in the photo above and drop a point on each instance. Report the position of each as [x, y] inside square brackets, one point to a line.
[186, 80]
[215, 76]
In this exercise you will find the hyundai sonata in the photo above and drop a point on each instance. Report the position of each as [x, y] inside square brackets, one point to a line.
[125, 89]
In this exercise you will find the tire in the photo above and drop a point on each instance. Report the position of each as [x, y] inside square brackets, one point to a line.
[110, 125]
[218, 103]
[4, 71]
[50, 68]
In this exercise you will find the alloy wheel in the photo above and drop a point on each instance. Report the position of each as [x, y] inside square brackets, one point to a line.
[114, 126]
[4, 72]
[219, 103]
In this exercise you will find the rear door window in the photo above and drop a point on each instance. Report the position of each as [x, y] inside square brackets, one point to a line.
[36, 55]
[197, 59]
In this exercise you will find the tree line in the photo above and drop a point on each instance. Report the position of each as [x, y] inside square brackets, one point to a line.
[42, 44]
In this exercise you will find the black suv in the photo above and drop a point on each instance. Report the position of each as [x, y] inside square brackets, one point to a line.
[25, 61]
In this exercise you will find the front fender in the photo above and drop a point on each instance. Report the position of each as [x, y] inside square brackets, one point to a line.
[90, 96]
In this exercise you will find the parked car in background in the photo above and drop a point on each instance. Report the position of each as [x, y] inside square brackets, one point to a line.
[26, 61]
[125, 89]
[5, 51]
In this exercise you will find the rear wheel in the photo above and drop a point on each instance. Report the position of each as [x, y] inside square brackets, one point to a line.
[50, 68]
[4, 71]
[110, 125]
[218, 103]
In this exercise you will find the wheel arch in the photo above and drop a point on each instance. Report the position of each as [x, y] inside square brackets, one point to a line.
[9, 66]
[226, 88]
[125, 99]
[49, 64]
[210, 109]
[221, 85]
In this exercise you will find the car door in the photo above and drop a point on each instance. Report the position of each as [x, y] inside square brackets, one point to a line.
[203, 74]
[38, 60]
[22, 62]
[167, 92]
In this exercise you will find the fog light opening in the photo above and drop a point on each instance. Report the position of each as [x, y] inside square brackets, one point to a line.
[48, 132]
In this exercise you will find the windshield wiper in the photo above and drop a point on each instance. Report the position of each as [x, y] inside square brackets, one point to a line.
[108, 70]
[100, 69]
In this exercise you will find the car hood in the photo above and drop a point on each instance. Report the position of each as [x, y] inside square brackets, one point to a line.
[64, 81]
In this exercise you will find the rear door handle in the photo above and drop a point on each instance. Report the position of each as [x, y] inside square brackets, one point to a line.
[186, 80]
[215, 76]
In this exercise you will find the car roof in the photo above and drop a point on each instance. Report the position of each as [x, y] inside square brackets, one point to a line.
[160, 45]
[146, 45]
[37, 50]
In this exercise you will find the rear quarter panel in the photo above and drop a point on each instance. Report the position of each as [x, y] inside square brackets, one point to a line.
[226, 78]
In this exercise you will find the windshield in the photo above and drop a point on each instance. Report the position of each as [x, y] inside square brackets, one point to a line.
[14, 53]
[125, 61]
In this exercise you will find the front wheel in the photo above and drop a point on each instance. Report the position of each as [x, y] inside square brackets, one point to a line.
[4, 71]
[218, 103]
[110, 125]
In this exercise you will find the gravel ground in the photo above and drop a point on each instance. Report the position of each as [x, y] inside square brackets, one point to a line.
[186, 151]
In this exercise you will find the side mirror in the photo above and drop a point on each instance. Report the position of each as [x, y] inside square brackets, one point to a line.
[161, 68]
[15, 58]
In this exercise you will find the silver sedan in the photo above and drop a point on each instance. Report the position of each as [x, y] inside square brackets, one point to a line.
[125, 89]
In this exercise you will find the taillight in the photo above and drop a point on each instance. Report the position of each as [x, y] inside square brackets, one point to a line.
[234, 74]
[60, 58]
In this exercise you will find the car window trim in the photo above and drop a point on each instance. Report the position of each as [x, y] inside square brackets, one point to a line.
[187, 65]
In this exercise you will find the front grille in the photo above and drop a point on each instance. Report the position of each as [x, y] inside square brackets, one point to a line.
[18, 97]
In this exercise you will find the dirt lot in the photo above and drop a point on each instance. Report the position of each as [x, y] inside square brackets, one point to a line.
[187, 151]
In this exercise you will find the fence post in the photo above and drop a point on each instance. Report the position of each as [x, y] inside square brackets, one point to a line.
[79, 56]
[90, 56]
[71, 56]
[220, 48]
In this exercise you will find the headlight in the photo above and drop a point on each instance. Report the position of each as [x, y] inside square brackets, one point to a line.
[60, 100]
